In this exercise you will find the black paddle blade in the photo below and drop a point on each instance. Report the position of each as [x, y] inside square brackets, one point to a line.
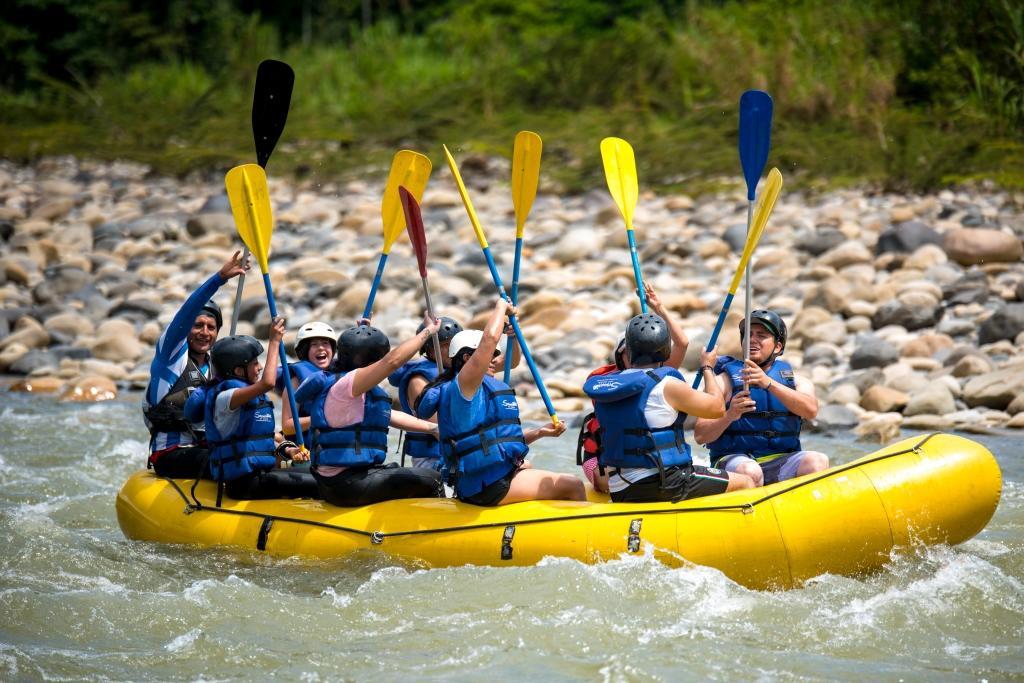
[270, 102]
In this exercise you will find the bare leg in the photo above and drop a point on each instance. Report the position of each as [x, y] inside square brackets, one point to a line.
[533, 484]
[812, 462]
[751, 469]
[739, 481]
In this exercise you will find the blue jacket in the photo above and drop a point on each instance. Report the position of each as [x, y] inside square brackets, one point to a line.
[251, 446]
[627, 440]
[362, 444]
[417, 444]
[494, 447]
[771, 428]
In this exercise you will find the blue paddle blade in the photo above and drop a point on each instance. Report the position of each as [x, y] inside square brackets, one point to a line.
[755, 136]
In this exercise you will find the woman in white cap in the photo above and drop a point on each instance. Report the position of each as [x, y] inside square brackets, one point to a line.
[315, 346]
[482, 442]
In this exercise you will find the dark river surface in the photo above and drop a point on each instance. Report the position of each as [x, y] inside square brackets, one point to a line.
[78, 601]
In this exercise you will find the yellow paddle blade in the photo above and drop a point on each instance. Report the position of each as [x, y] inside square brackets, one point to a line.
[250, 205]
[620, 172]
[409, 169]
[765, 204]
[525, 175]
[466, 201]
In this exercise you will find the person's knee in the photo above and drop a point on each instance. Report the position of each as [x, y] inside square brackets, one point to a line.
[740, 481]
[572, 488]
[751, 470]
[813, 461]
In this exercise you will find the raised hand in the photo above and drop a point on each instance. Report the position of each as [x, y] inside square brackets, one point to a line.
[235, 266]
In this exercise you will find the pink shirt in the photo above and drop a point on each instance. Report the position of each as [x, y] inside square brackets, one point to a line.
[342, 409]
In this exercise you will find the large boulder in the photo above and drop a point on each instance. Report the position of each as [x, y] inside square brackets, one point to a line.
[1005, 323]
[882, 399]
[982, 245]
[934, 399]
[995, 389]
[89, 388]
[872, 352]
[832, 417]
[906, 315]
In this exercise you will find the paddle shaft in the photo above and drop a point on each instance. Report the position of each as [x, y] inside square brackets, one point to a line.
[368, 310]
[749, 293]
[238, 294]
[515, 300]
[287, 375]
[430, 312]
[520, 339]
[636, 271]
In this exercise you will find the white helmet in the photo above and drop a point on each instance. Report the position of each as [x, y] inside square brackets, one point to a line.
[470, 339]
[316, 330]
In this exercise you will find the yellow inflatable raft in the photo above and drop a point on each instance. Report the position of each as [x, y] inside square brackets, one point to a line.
[934, 489]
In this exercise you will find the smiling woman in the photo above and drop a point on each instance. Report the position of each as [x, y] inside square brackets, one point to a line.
[180, 365]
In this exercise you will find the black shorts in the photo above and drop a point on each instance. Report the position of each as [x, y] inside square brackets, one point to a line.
[272, 484]
[358, 486]
[681, 483]
[492, 493]
[186, 462]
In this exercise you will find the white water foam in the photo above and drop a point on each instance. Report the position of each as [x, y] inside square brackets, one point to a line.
[184, 641]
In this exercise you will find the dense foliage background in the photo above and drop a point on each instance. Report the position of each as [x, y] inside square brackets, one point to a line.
[908, 95]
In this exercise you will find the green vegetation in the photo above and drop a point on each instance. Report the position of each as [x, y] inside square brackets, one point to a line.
[910, 95]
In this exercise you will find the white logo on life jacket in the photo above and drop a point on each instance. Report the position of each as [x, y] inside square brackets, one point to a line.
[606, 384]
[509, 404]
[264, 417]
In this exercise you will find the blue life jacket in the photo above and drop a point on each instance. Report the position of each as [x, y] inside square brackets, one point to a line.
[478, 457]
[301, 370]
[357, 445]
[771, 428]
[429, 402]
[417, 444]
[626, 439]
[251, 447]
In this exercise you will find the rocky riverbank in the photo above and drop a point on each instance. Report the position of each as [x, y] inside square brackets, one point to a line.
[903, 310]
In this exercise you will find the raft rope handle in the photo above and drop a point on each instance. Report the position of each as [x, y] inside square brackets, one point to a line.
[377, 537]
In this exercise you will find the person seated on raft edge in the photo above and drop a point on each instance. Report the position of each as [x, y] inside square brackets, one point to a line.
[642, 409]
[240, 422]
[410, 380]
[588, 444]
[482, 443]
[315, 347]
[180, 365]
[759, 435]
[350, 416]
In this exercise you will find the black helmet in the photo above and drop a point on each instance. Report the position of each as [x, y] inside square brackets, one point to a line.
[211, 309]
[772, 322]
[231, 352]
[449, 328]
[360, 346]
[648, 340]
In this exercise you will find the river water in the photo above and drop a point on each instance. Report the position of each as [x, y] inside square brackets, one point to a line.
[78, 601]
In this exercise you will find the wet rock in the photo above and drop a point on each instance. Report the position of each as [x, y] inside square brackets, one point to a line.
[218, 203]
[27, 332]
[70, 324]
[136, 310]
[994, 389]
[1016, 422]
[38, 385]
[882, 399]
[93, 366]
[906, 238]
[881, 428]
[928, 423]
[844, 393]
[971, 246]
[1005, 323]
[822, 353]
[873, 352]
[210, 223]
[934, 399]
[846, 254]
[925, 257]
[736, 236]
[926, 345]
[34, 359]
[89, 388]
[905, 315]
[955, 327]
[11, 354]
[972, 287]
[1016, 405]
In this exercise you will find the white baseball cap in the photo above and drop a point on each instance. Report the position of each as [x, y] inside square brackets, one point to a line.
[470, 339]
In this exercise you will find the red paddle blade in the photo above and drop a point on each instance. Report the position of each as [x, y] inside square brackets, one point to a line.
[414, 223]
